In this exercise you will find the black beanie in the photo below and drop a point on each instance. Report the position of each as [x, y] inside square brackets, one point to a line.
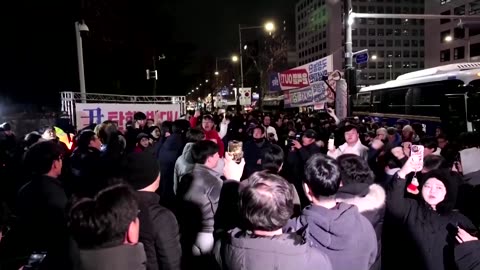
[142, 169]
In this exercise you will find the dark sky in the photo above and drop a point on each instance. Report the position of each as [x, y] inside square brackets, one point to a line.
[38, 52]
[213, 24]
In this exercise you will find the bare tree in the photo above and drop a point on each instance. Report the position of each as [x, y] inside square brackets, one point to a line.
[271, 57]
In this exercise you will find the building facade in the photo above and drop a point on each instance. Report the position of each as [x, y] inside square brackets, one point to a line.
[398, 45]
[452, 41]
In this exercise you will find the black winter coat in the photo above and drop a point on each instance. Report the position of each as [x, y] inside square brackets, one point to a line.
[41, 225]
[252, 153]
[159, 233]
[430, 231]
[467, 256]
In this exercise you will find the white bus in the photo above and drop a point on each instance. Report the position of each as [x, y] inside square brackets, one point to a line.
[445, 96]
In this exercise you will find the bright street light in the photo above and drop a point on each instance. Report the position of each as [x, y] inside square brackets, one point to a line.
[374, 57]
[245, 47]
[216, 73]
[196, 88]
[206, 81]
[235, 58]
[270, 27]
[448, 38]
[351, 18]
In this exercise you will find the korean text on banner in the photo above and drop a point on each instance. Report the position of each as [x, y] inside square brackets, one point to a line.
[96, 113]
[306, 75]
[304, 97]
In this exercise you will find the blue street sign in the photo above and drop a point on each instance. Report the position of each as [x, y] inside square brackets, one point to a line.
[361, 58]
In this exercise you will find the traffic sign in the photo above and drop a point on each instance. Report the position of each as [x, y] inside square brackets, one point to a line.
[361, 58]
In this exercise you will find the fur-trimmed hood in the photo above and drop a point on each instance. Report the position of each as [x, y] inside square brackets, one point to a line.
[365, 197]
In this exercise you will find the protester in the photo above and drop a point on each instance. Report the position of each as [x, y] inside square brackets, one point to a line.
[428, 218]
[106, 229]
[337, 229]
[266, 204]
[158, 226]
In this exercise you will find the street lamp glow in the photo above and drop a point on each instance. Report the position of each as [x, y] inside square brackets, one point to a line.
[270, 27]
[245, 47]
[374, 57]
[448, 38]
[351, 18]
[206, 81]
[196, 88]
[235, 58]
[216, 73]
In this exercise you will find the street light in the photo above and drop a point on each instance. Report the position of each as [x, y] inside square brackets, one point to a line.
[374, 57]
[196, 88]
[448, 38]
[81, 27]
[234, 58]
[206, 81]
[269, 27]
[216, 73]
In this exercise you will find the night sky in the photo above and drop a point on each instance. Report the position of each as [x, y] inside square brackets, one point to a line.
[38, 52]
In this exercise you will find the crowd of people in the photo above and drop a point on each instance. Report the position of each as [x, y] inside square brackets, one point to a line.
[309, 191]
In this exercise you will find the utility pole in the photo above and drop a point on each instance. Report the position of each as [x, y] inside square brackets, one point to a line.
[350, 72]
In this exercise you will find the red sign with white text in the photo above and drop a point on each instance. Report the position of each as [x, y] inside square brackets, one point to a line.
[297, 78]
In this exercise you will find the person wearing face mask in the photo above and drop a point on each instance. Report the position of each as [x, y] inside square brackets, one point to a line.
[428, 220]
[253, 151]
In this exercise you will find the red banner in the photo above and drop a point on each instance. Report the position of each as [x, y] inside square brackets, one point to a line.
[297, 78]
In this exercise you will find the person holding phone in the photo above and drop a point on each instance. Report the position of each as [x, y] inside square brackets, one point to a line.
[426, 219]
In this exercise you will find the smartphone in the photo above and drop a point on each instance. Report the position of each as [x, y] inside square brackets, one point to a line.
[298, 137]
[35, 260]
[416, 152]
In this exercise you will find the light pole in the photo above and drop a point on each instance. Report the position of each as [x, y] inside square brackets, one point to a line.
[269, 27]
[80, 26]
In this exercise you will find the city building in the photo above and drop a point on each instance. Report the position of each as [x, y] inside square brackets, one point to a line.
[397, 45]
[452, 41]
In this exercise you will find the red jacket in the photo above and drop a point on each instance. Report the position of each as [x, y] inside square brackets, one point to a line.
[209, 135]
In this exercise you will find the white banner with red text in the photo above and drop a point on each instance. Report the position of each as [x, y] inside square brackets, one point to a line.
[96, 113]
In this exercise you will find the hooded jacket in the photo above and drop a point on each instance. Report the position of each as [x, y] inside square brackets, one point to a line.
[370, 201]
[429, 229]
[183, 165]
[200, 195]
[342, 233]
[240, 250]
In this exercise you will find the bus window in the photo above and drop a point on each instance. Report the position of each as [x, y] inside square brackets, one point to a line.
[425, 100]
[394, 101]
[362, 102]
[377, 101]
[453, 114]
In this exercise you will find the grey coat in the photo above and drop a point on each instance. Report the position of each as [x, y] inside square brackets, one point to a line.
[240, 250]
